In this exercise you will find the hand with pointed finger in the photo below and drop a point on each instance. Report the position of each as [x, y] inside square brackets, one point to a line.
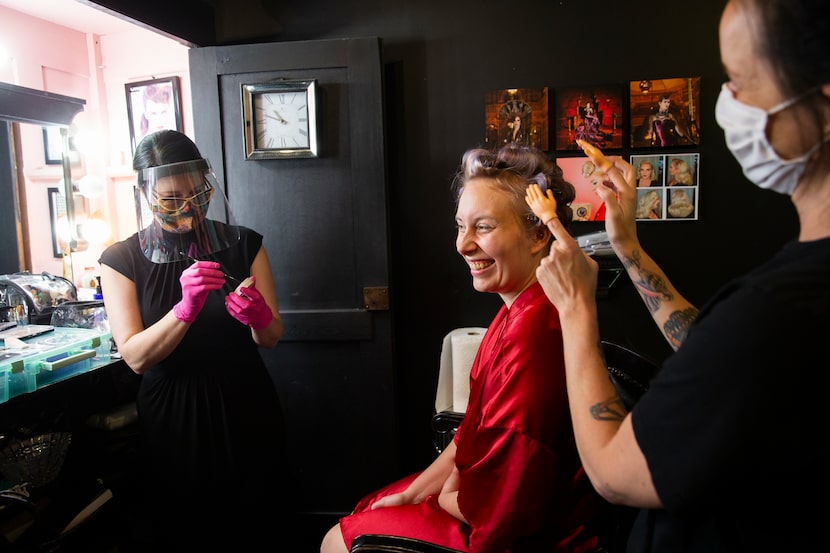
[247, 306]
[543, 206]
[620, 197]
[197, 282]
[567, 274]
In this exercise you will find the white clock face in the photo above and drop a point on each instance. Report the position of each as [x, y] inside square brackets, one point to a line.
[281, 120]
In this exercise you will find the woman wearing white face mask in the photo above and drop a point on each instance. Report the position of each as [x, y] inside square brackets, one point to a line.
[720, 450]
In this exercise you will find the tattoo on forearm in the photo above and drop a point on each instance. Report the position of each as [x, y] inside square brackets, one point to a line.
[651, 287]
[612, 409]
[677, 326]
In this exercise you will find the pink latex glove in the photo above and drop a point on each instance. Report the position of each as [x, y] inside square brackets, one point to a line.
[197, 282]
[247, 306]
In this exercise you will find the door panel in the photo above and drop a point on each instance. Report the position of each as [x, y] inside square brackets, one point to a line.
[324, 222]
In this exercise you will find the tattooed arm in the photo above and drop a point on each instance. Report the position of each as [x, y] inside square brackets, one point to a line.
[671, 311]
[602, 426]
[604, 433]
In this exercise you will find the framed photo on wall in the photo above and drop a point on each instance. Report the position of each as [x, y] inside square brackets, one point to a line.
[665, 112]
[53, 146]
[153, 105]
[650, 204]
[650, 170]
[592, 113]
[584, 175]
[517, 115]
[682, 169]
[681, 203]
[57, 208]
[667, 186]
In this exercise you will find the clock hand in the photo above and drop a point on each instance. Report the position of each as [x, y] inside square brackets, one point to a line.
[277, 118]
[280, 117]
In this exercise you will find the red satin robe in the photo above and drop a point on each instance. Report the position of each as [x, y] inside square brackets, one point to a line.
[522, 486]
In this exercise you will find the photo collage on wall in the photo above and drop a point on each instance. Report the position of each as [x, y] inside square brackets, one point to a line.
[656, 128]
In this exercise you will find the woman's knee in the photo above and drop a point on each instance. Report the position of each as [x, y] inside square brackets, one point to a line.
[333, 541]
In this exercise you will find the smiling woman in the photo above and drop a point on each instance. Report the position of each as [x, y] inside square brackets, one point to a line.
[517, 401]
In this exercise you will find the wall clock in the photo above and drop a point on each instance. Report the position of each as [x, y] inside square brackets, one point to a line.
[280, 119]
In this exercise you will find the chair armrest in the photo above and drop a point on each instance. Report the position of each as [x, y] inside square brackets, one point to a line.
[378, 543]
[444, 425]
[630, 372]
[446, 421]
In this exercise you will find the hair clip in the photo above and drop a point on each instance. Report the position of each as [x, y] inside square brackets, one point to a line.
[541, 179]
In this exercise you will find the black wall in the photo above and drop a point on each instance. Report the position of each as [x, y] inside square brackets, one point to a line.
[441, 58]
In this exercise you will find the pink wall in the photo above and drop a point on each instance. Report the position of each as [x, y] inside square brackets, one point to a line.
[45, 56]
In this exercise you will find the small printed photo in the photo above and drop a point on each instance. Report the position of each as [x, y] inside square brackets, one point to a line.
[591, 113]
[518, 115]
[584, 175]
[650, 204]
[682, 169]
[649, 170]
[682, 203]
[665, 112]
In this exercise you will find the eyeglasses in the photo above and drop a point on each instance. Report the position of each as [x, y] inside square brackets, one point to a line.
[172, 203]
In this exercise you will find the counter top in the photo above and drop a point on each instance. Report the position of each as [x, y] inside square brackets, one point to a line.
[52, 357]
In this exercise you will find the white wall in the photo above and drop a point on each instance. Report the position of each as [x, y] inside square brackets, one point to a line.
[45, 56]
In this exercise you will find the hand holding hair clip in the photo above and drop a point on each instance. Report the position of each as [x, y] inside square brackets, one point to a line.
[248, 307]
[197, 282]
[232, 280]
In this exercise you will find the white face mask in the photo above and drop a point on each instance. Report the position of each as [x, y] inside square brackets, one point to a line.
[744, 127]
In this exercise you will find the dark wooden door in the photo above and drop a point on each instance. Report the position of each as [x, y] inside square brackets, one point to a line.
[325, 225]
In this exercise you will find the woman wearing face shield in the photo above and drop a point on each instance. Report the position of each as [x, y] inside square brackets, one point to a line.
[210, 417]
[721, 450]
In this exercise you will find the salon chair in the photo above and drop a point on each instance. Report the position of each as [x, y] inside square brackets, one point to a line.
[631, 374]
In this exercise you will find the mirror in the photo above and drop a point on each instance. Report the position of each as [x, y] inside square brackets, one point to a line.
[64, 216]
[34, 115]
[94, 65]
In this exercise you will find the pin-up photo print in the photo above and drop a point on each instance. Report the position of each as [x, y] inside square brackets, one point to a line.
[584, 175]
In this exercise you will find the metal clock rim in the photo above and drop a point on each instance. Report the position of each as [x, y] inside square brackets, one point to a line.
[249, 90]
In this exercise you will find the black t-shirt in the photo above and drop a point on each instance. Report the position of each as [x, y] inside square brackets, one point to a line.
[734, 426]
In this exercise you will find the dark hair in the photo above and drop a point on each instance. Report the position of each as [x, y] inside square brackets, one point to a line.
[793, 36]
[164, 147]
[513, 167]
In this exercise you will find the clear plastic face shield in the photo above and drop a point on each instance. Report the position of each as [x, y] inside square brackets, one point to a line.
[182, 213]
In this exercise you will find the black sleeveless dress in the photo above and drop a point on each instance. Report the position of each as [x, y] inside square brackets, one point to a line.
[210, 417]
